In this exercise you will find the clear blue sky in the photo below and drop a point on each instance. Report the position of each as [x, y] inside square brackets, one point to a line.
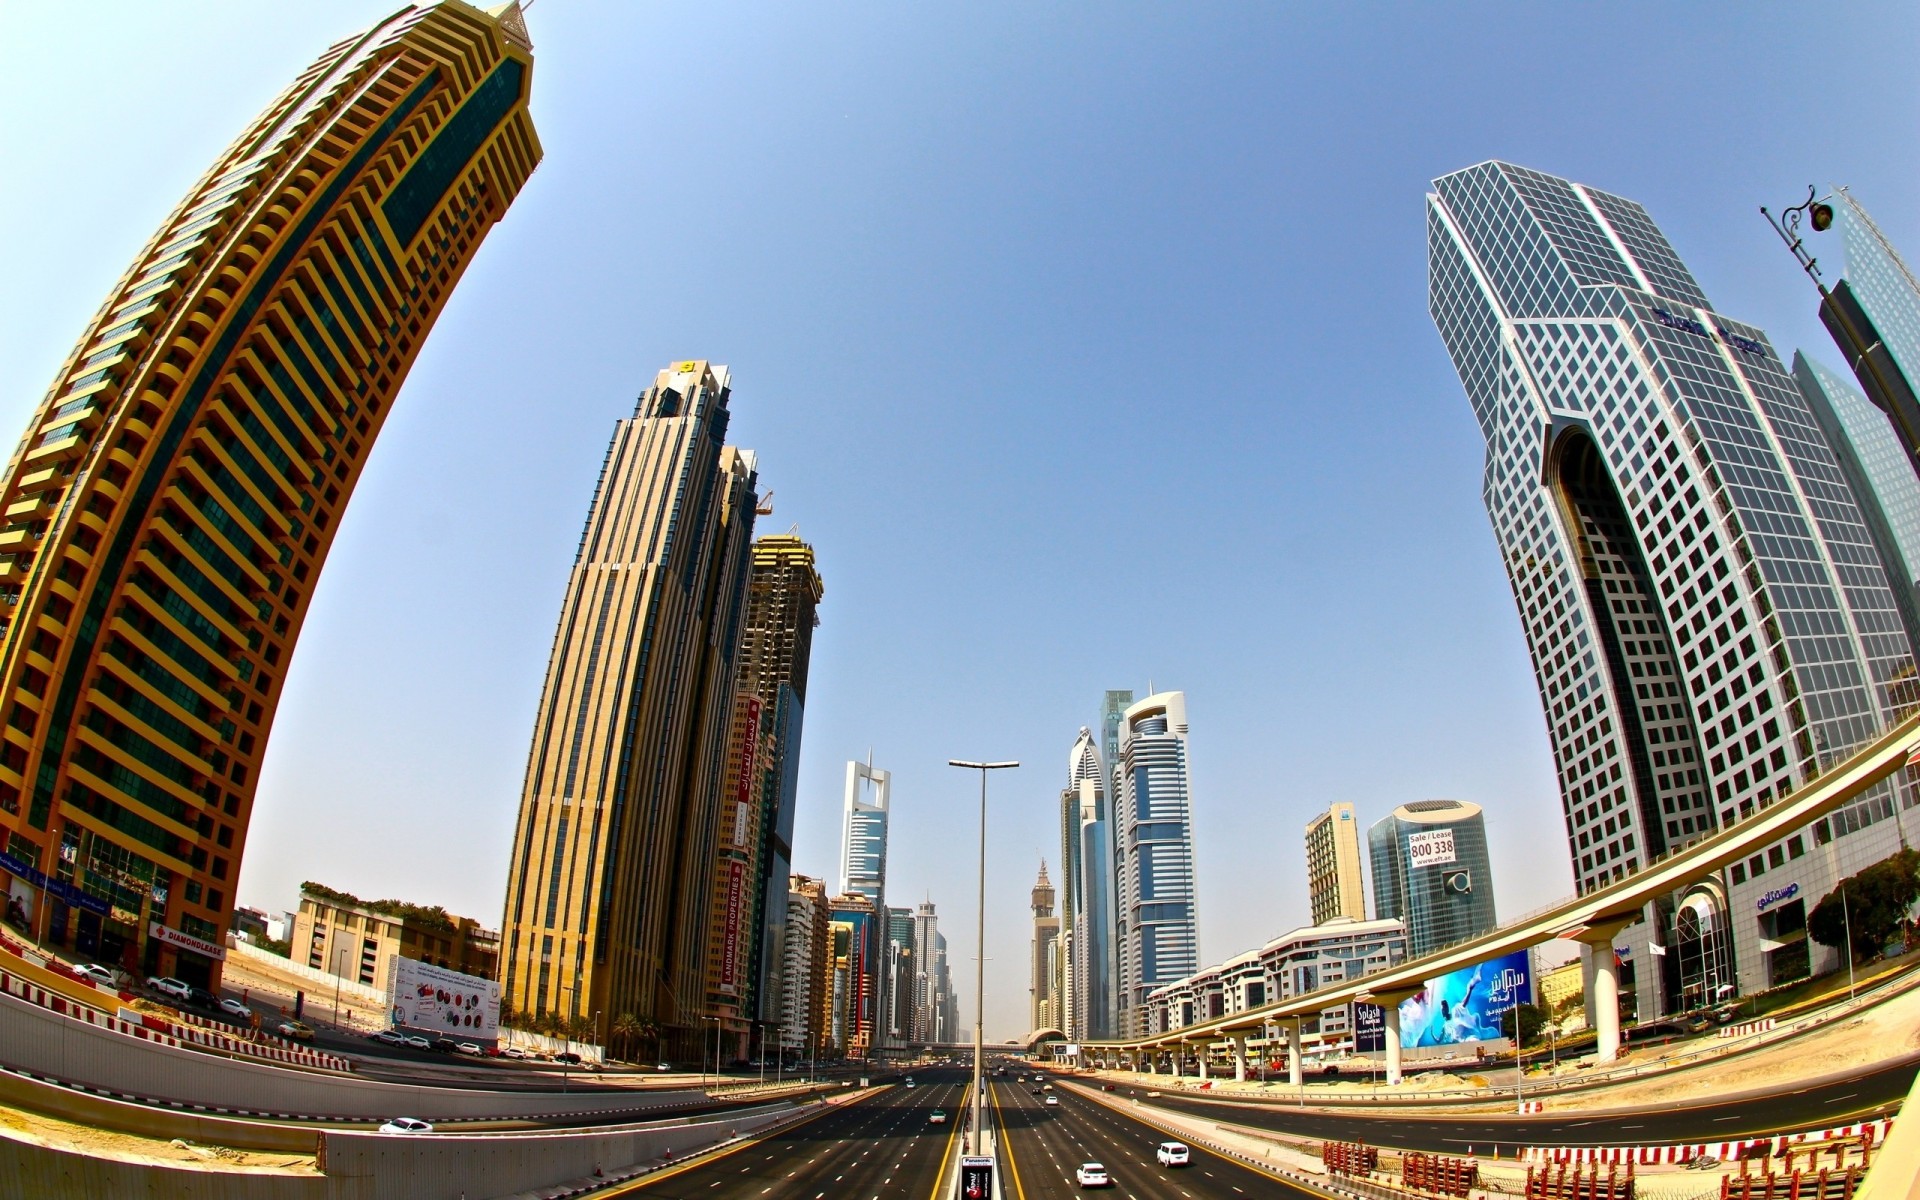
[1088, 343]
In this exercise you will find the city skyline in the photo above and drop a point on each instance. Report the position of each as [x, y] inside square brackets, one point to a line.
[1252, 715]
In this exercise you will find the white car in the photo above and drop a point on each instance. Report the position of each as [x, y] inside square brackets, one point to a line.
[470, 1048]
[234, 1008]
[97, 973]
[937, 1117]
[414, 1041]
[167, 986]
[1052, 1099]
[1172, 1154]
[406, 1125]
[512, 1052]
[1092, 1175]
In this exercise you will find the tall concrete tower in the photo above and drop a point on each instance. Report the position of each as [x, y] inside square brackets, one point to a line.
[1044, 968]
[609, 889]
[172, 503]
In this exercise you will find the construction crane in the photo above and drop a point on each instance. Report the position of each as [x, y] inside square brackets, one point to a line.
[763, 505]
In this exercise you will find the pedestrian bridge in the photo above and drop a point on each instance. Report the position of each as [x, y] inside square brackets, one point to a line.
[1593, 918]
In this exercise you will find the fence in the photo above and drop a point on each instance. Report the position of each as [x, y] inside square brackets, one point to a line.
[1439, 1173]
[1580, 1182]
[1824, 1184]
[1349, 1158]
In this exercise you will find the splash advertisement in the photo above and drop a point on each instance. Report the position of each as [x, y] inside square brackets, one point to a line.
[1460, 1006]
[441, 1003]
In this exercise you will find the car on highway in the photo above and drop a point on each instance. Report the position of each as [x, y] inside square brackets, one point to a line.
[234, 1008]
[470, 1049]
[406, 1125]
[512, 1052]
[1052, 1099]
[202, 997]
[909, 1081]
[1092, 1175]
[388, 1037]
[663, 1066]
[97, 973]
[414, 1041]
[176, 989]
[1173, 1154]
[937, 1117]
[299, 1031]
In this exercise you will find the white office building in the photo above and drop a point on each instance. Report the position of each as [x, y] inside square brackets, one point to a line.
[1156, 927]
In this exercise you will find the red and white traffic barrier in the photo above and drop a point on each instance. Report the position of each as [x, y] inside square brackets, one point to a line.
[1875, 1131]
[158, 1029]
[1750, 1027]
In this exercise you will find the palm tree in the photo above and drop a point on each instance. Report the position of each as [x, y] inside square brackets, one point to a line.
[580, 1028]
[626, 1027]
[651, 1031]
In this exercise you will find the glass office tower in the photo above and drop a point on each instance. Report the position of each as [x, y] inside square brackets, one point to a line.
[172, 503]
[1431, 873]
[1157, 928]
[1708, 617]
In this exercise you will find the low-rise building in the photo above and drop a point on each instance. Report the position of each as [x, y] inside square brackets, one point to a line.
[356, 939]
[1295, 963]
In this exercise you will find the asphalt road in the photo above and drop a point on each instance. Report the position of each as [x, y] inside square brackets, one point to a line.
[883, 1148]
[1813, 1107]
[1045, 1144]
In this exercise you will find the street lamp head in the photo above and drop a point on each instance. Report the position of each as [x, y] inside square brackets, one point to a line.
[1820, 216]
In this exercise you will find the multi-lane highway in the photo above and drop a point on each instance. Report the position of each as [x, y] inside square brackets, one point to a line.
[1727, 1117]
[1042, 1145]
[883, 1148]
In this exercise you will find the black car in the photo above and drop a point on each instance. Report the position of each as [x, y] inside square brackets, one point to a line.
[568, 1057]
[444, 1045]
[202, 998]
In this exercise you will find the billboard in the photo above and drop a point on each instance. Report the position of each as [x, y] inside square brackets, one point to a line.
[1460, 1006]
[1432, 848]
[441, 1003]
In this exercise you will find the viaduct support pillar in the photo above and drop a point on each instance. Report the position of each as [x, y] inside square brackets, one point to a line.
[1240, 1058]
[1393, 1044]
[1296, 1071]
[1597, 937]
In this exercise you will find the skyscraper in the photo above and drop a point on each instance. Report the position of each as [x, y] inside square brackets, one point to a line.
[609, 888]
[863, 872]
[783, 598]
[803, 974]
[1086, 894]
[929, 960]
[172, 503]
[1708, 618]
[854, 975]
[1043, 971]
[1882, 284]
[899, 968]
[749, 888]
[1879, 472]
[1431, 872]
[1334, 884]
[1157, 928]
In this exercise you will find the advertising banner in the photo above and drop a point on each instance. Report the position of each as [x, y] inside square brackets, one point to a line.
[730, 932]
[1433, 848]
[743, 787]
[437, 1002]
[1460, 1006]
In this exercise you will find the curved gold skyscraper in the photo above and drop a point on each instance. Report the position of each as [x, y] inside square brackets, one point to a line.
[167, 514]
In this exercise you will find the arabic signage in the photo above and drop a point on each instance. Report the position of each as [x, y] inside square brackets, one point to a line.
[1460, 1006]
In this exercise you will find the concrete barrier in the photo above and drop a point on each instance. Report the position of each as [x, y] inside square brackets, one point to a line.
[371, 1166]
[44, 1043]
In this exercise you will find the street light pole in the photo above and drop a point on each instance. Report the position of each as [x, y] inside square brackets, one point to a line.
[980, 973]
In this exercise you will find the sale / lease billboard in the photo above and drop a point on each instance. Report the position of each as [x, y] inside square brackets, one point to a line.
[437, 1002]
[1431, 848]
[1458, 1007]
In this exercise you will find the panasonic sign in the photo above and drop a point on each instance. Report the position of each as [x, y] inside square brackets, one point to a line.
[1777, 896]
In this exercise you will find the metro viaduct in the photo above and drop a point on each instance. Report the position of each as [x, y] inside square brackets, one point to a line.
[1593, 919]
